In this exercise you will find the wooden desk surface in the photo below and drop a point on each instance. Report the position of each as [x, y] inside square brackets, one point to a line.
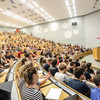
[46, 83]
[3, 76]
[46, 89]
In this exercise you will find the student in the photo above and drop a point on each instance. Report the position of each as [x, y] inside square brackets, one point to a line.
[61, 75]
[47, 65]
[89, 68]
[77, 63]
[95, 92]
[77, 82]
[72, 66]
[53, 68]
[31, 90]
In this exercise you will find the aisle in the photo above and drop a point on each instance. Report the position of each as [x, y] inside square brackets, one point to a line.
[92, 60]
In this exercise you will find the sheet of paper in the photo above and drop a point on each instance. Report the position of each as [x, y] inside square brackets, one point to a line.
[40, 71]
[54, 94]
[6, 70]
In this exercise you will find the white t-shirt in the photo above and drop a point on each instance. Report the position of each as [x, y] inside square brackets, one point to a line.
[61, 77]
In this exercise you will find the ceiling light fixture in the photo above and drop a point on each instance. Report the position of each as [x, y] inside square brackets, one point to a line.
[23, 1]
[1, 9]
[35, 4]
[30, 5]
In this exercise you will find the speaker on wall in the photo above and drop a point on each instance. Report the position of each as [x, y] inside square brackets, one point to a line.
[74, 23]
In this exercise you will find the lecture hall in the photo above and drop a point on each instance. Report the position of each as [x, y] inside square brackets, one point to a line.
[49, 49]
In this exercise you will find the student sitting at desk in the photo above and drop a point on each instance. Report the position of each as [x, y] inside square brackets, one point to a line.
[77, 82]
[61, 75]
[95, 92]
[31, 90]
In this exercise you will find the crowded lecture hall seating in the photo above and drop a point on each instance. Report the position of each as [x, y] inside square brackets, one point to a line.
[14, 47]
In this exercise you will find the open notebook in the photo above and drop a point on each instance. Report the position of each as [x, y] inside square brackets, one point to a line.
[54, 94]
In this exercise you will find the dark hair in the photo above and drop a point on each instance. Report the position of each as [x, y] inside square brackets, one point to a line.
[72, 63]
[77, 60]
[96, 79]
[70, 60]
[7, 51]
[78, 72]
[60, 60]
[66, 60]
[88, 65]
[98, 71]
[41, 60]
[54, 62]
[23, 61]
[28, 75]
[26, 55]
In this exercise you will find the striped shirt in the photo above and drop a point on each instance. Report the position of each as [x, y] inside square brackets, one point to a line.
[31, 94]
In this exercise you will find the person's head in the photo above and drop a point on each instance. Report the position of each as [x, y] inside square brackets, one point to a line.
[24, 60]
[84, 66]
[49, 60]
[96, 80]
[72, 65]
[60, 60]
[8, 53]
[77, 60]
[54, 62]
[98, 72]
[26, 66]
[88, 65]
[70, 60]
[62, 67]
[84, 61]
[66, 61]
[31, 76]
[30, 56]
[79, 73]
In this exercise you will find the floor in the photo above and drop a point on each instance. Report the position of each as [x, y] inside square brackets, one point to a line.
[90, 58]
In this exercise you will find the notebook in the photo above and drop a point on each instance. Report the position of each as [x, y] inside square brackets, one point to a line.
[54, 94]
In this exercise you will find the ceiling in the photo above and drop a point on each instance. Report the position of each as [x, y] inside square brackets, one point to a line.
[23, 13]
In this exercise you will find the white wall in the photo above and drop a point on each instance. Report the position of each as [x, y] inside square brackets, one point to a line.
[7, 29]
[58, 36]
[92, 29]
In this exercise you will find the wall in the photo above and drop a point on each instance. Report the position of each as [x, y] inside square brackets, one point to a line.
[92, 29]
[7, 29]
[58, 34]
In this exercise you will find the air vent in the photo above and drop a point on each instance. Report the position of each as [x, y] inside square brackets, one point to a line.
[40, 20]
[20, 4]
[30, 15]
[31, 19]
[18, 13]
[14, 6]
[23, 12]
[28, 10]
[35, 14]
[35, 18]
[26, 17]
[9, 8]
[40, 17]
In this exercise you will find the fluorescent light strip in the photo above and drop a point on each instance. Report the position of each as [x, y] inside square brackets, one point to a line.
[35, 4]
[37, 11]
[23, 1]
[30, 5]
[74, 7]
[1, 9]
[68, 7]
